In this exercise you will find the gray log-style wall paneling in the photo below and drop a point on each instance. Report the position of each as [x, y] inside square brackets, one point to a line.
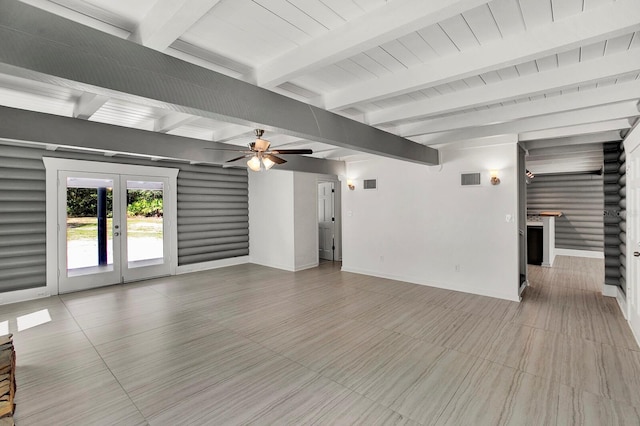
[615, 214]
[213, 214]
[22, 219]
[580, 198]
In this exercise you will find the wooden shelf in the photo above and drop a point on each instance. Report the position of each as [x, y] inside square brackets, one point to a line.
[551, 213]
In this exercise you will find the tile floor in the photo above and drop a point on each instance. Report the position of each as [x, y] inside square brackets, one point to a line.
[254, 345]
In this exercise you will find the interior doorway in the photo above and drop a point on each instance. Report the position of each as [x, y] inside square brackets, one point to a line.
[522, 220]
[329, 221]
[111, 227]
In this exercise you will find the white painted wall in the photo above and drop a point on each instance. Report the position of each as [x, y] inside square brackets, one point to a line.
[305, 189]
[271, 232]
[283, 224]
[420, 223]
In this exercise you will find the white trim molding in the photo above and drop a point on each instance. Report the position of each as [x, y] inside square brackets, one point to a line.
[580, 253]
[610, 290]
[213, 264]
[420, 281]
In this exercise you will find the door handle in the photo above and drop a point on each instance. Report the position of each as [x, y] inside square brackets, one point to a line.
[636, 253]
[115, 234]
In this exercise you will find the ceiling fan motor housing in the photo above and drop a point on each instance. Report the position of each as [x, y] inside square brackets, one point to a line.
[261, 145]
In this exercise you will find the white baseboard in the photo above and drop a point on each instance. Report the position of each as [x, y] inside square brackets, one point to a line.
[580, 253]
[282, 266]
[635, 335]
[610, 290]
[269, 264]
[214, 264]
[454, 287]
[24, 295]
[307, 266]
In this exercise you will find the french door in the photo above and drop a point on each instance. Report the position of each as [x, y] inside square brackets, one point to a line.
[113, 223]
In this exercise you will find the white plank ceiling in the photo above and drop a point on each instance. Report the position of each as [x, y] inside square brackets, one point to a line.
[437, 72]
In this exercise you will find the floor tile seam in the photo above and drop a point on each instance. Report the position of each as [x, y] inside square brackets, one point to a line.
[198, 314]
[380, 403]
[455, 392]
[604, 397]
[314, 371]
[573, 336]
[146, 331]
[552, 285]
[444, 350]
[373, 291]
[518, 368]
[556, 381]
[107, 366]
[110, 323]
[176, 298]
[452, 307]
[394, 330]
[492, 338]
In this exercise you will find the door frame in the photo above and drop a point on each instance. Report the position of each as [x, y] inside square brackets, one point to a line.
[54, 165]
[631, 298]
[337, 211]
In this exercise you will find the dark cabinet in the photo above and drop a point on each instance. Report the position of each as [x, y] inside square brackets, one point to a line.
[534, 245]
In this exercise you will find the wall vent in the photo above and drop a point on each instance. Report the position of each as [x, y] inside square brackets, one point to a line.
[467, 179]
[370, 184]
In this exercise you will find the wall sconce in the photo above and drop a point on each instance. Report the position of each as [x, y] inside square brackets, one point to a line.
[495, 180]
[350, 184]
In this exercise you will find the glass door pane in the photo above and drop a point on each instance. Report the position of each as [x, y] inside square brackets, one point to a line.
[88, 230]
[89, 225]
[146, 252]
[145, 226]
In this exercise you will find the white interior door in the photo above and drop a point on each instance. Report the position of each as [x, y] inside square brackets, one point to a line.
[326, 220]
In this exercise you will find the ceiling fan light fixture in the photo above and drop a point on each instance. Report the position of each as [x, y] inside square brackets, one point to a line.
[254, 163]
[267, 163]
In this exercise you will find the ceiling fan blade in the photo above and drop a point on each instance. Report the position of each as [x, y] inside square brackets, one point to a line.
[275, 159]
[238, 158]
[225, 149]
[292, 151]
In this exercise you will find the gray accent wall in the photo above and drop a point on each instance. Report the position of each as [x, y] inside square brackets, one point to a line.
[22, 218]
[579, 196]
[213, 214]
[615, 211]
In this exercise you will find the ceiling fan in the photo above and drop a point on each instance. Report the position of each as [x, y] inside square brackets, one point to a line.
[262, 158]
